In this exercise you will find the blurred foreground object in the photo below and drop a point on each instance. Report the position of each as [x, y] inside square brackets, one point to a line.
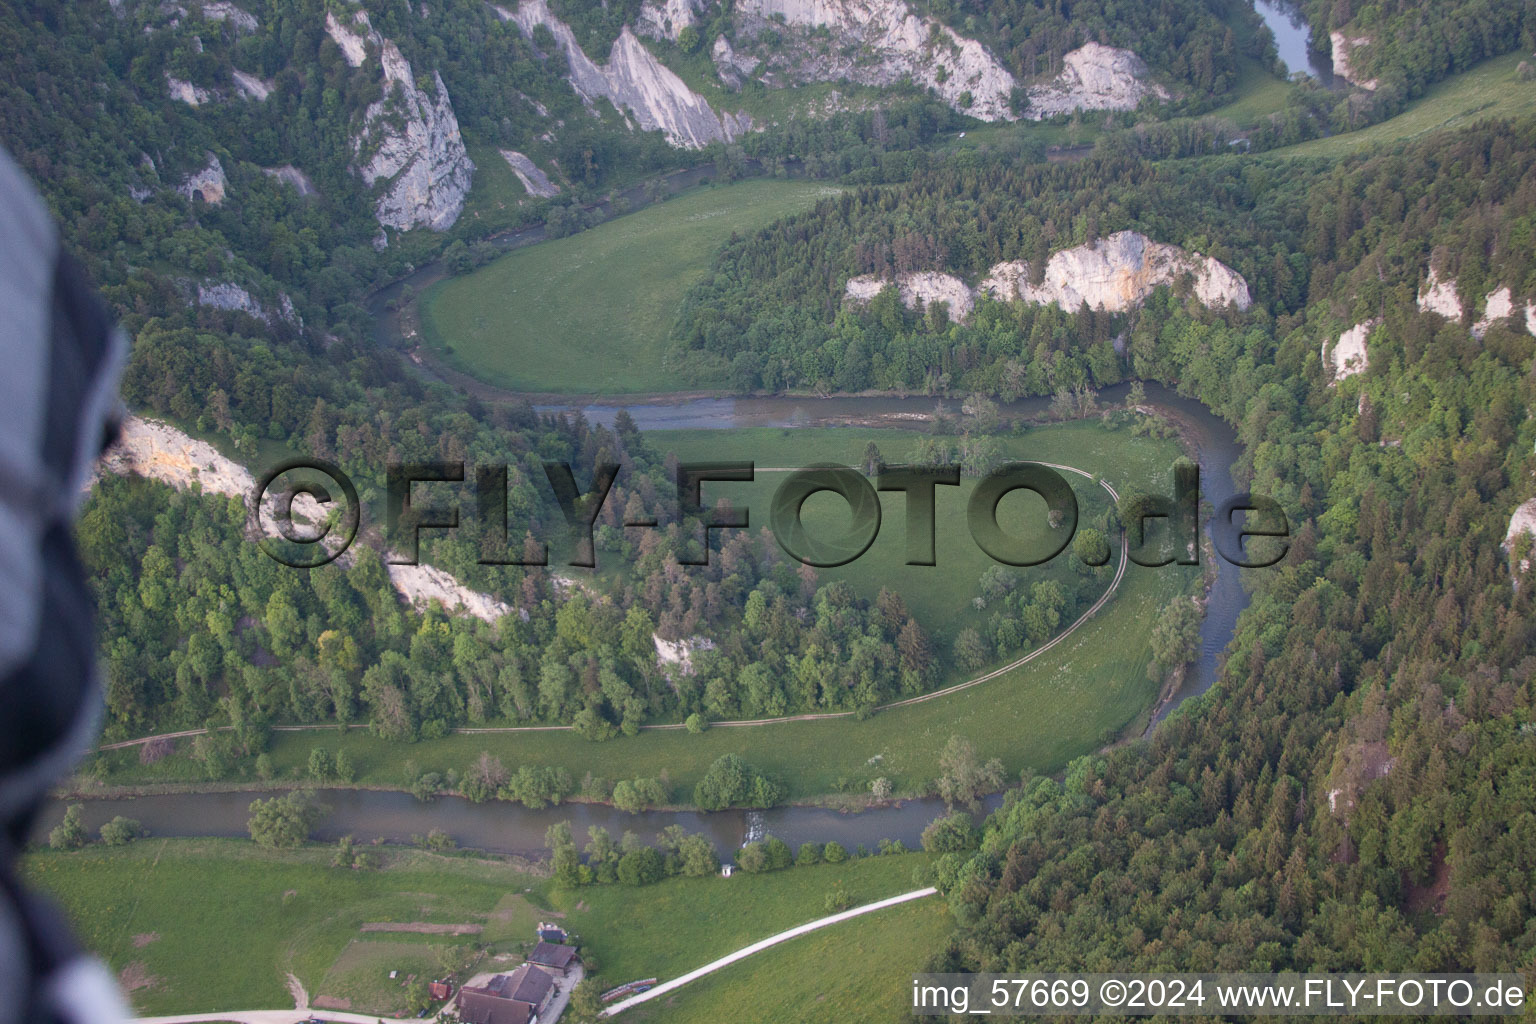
[60, 357]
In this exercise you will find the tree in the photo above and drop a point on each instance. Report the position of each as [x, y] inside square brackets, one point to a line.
[640, 867]
[834, 853]
[778, 853]
[688, 38]
[696, 857]
[345, 771]
[1175, 637]
[970, 649]
[810, 853]
[696, 723]
[727, 783]
[319, 764]
[284, 821]
[586, 1003]
[752, 858]
[950, 834]
[121, 831]
[963, 777]
[69, 834]
[484, 778]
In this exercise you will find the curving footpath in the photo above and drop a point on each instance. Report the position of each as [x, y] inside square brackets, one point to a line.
[1109, 592]
[758, 947]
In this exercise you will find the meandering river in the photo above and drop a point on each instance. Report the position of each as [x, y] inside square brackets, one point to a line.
[509, 828]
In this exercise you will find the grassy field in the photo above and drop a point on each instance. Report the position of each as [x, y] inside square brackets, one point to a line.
[170, 912]
[1489, 90]
[590, 313]
[852, 972]
[165, 913]
[1067, 702]
[670, 928]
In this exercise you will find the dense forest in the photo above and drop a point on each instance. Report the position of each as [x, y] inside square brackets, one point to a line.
[1352, 795]
[1409, 45]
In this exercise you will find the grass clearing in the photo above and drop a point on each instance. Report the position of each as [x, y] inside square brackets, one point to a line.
[670, 928]
[1490, 90]
[853, 972]
[590, 313]
[171, 910]
[282, 910]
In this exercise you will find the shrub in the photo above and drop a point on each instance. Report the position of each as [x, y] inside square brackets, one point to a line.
[834, 853]
[810, 853]
[640, 867]
[696, 723]
[121, 831]
[752, 858]
[69, 834]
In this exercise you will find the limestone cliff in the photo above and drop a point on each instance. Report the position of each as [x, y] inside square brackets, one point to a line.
[634, 81]
[920, 289]
[1443, 298]
[409, 140]
[664, 19]
[880, 42]
[1348, 356]
[207, 184]
[1118, 273]
[1439, 296]
[1341, 45]
[1094, 77]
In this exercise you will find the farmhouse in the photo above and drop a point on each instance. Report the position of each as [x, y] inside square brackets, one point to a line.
[553, 956]
[516, 998]
[551, 932]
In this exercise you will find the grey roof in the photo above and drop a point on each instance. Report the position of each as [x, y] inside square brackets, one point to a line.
[550, 954]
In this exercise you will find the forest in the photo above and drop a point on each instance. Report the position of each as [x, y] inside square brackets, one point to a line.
[1351, 796]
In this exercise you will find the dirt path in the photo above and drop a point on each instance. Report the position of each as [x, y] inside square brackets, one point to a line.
[1109, 592]
[758, 947]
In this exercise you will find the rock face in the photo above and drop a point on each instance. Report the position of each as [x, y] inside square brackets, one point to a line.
[161, 452]
[207, 184]
[409, 139]
[229, 296]
[220, 10]
[634, 81]
[664, 19]
[1342, 44]
[679, 653]
[534, 180]
[1118, 273]
[730, 66]
[1439, 296]
[186, 92]
[1349, 356]
[291, 175]
[880, 42]
[1115, 274]
[921, 289]
[250, 86]
[1498, 304]
[1522, 522]
[1094, 77]
[422, 584]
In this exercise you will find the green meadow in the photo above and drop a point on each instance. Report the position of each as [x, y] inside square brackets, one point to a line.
[590, 313]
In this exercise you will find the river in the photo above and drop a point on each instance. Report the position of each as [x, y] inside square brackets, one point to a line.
[1292, 36]
[510, 828]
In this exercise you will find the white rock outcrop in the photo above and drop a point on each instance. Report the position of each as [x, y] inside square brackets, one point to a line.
[921, 289]
[880, 42]
[291, 175]
[1521, 522]
[186, 92]
[250, 86]
[664, 19]
[221, 10]
[409, 139]
[634, 81]
[534, 180]
[1439, 296]
[207, 184]
[1094, 77]
[227, 295]
[1118, 273]
[731, 67]
[1348, 356]
[159, 451]
[422, 584]
[1341, 46]
[679, 653]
